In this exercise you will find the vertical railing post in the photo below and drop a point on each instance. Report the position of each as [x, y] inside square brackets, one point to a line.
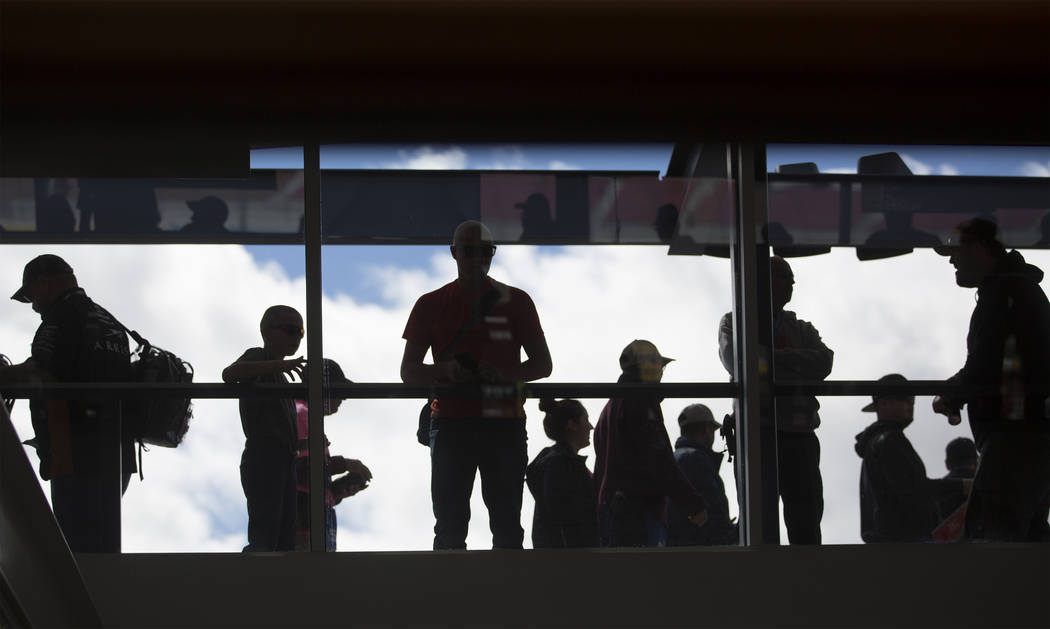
[314, 347]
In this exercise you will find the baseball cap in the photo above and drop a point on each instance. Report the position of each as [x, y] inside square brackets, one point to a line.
[642, 356]
[696, 414]
[333, 373]
[889, 378]
[46, 264]
[977, 229]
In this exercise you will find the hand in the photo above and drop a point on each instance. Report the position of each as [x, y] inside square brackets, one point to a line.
[699, 518]
[943, 407]
[489, 374]
[452, 371]
[357, 468]
[293, 367]
[336, 465]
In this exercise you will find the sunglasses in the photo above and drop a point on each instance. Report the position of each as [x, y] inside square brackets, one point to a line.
[477, 251]
[290, 329]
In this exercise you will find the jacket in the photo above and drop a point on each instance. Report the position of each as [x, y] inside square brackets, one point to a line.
[700, 465]
[566, 514]
[898, 503]
[798, 354]
[633, 455]
[1009, 303]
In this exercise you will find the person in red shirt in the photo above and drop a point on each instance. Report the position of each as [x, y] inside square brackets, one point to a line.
[475, 329]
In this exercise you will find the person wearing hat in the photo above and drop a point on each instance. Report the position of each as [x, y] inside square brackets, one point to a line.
[1004, 385]
[898, 502]
[209, 216]
[356, 475]
[83, 452]
[536, 221]
[798, 354]
[634, 465]
[695, 457]
[476, 329]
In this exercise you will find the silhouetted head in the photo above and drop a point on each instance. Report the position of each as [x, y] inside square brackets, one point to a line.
[45, 278]
[698, 424]
[640, 361]
[332, 373]
[896, 408]
[535, 215]
[666, 222]
[781, 282]
[566, 421]
[974, 249]
[282, 330]
[209, 212]
[473, 250]
[960, 454]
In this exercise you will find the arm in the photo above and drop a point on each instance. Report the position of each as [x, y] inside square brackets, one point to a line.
[415, 371]
[537, 365]
[812, 359]
[725, 342]
[23, 373]
[245, 370]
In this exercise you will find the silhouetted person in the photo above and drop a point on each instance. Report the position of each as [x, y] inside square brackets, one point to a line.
[1044, 232]
[898, 503]
[118, 206]
[476, 328]
[270, 432]
[356, 475]
[960, 458]
[566, 514]
[79, 441]
[634, 465]
[209, 216]
[536, 220]
[666, 226]
[1006, 381]
[899, 237]
[54, 215]
[798, 354]
[699, 463]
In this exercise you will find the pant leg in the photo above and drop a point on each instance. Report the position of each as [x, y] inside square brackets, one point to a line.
[503, 457]
[453, 463]
[1011, 490]
[268, 480]
[801, 486]
[87, 507]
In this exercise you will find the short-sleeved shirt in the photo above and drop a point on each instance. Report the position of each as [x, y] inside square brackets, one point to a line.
[436, 320]
[268, 422]
[78, 341]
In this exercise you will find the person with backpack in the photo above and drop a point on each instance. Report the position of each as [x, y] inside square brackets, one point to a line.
[83, 451]
[476, 328]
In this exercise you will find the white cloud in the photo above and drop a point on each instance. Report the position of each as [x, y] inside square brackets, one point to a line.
[557, 164]
[426, 158]
[947, 169]
[922, 168]
[504, 158]
[841, 171]
[904, 314]
[1035, 169]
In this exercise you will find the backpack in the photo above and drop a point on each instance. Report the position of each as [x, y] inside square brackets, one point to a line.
[158, 420]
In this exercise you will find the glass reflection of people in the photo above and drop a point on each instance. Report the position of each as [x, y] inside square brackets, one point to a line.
[270, 436]
[699, 462]
[666, 225]
[118, 206]
[356, 475]
[566, 514]
[536, 220]
[1044, 232]
[54, 215]
[208, 217]
[1004, 385]
[960, 457]
[899, 237]
[488, 324]
[798, 354]
[83, 453]
[898, 502]
[634, 466]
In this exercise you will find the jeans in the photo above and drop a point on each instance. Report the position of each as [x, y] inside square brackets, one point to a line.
[268, 479]
[87, 507]
[801, 486]
[459, 448]
[1010, 498]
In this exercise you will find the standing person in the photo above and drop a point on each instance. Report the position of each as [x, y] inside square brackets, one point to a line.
[960, 458]
[356, 475]
[566, 513]
[269, 424]
[798, 354]
[699, 462]
[475, 329]
[1005, 383]
[898, 503]
[634, 466]
[82, 449]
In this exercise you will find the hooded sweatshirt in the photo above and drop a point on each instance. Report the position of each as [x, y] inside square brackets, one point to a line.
[898, 503]
[1010, 303]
